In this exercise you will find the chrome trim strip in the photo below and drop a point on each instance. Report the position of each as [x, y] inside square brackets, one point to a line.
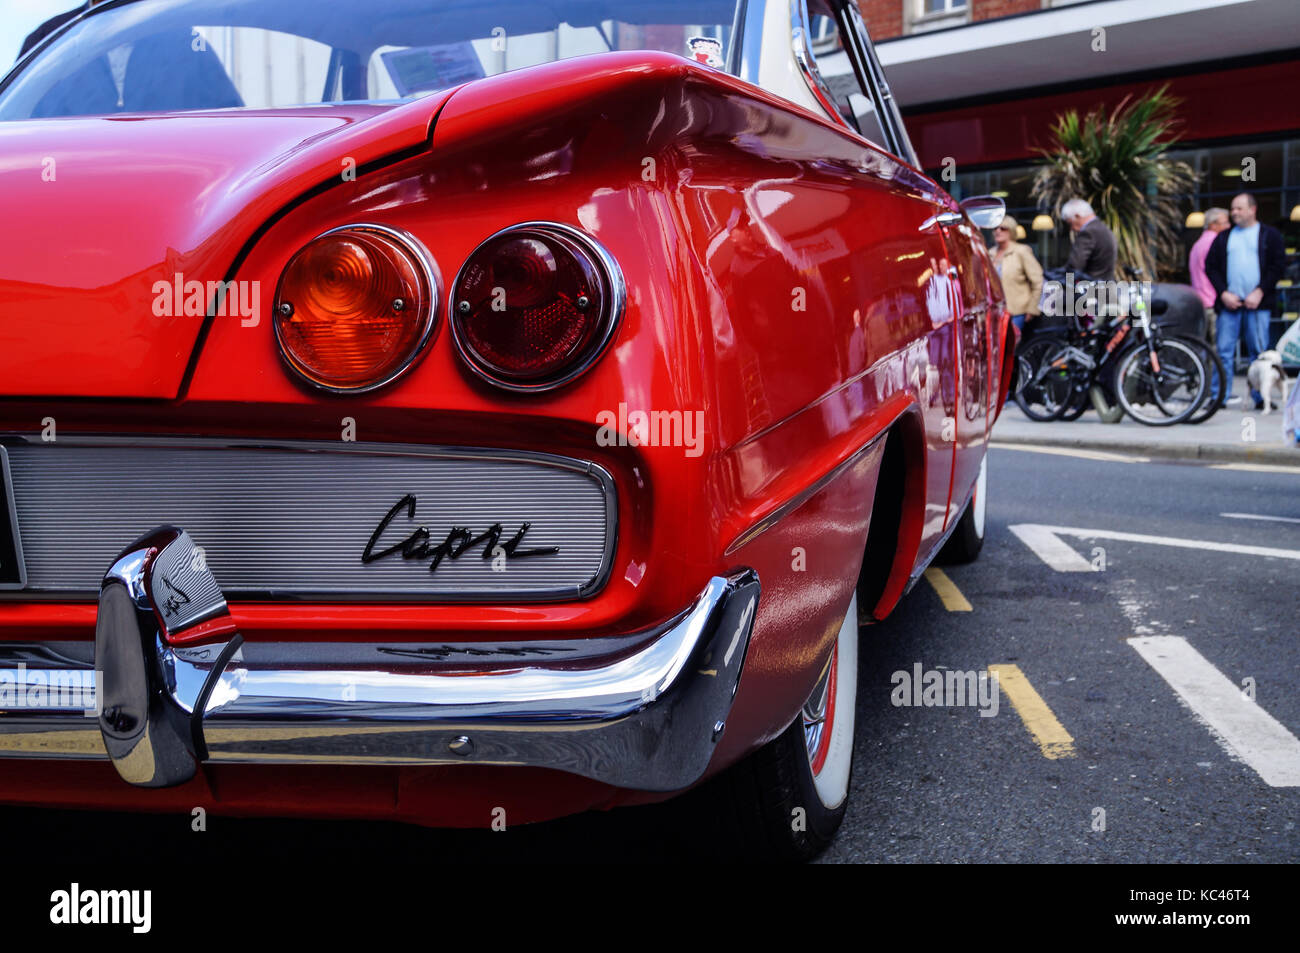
[874, 76]
[751, 40]
[586, 467]
[431, 275]
[12, 513]
[803, 56]
[803, 496]
[611, 318]
[646, 716]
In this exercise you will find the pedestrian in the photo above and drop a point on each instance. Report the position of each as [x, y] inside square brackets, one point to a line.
[1093, 253]
[94, 89]
[52, 24]
[1216, 220]
[1244, 264]
[1022, 275]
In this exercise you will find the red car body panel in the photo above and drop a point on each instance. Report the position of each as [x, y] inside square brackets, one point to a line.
[152, 196]
[782, 280]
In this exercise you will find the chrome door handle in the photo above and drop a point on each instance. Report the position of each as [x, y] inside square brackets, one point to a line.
[943, 218]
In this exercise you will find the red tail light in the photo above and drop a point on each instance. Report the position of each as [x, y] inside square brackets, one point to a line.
[354, 307]
[535, 305]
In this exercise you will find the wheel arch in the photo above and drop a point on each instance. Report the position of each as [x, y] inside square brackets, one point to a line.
[897, 517]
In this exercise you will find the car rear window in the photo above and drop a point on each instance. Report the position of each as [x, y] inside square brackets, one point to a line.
[179, 55]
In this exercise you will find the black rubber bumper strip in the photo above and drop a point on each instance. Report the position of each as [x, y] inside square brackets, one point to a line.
[201, 704]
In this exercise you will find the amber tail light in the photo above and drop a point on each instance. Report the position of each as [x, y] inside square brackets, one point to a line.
[355, 307]
[535, 305]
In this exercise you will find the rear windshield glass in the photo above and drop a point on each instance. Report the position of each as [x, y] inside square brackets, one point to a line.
[178, 55]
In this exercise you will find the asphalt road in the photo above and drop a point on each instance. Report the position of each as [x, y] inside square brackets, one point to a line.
[946, 785]
[943, 784]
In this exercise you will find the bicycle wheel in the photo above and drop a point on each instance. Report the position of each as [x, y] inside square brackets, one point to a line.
[1043, 385]
[1165, 391]
[1077, 406]
[1216, 388]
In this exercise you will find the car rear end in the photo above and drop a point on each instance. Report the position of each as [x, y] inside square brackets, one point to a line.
[286, 507]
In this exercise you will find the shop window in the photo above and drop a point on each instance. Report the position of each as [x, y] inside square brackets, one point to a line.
[923, 15]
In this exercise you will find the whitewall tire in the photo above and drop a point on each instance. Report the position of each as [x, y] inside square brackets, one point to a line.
[828, 714]
[786, 800]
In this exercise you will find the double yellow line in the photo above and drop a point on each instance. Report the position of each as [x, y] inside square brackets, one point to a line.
[1052, 738]
[1045, 728]
[949, 594]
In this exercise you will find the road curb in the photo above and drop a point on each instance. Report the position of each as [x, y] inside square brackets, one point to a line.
[1206, 452]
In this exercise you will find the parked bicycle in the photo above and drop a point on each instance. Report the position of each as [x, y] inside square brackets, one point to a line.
[1119, 361]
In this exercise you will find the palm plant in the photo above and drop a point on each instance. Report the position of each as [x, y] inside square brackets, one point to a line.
[1117, 163]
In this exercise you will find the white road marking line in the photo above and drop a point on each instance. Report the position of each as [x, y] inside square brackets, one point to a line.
[1040, 533]
[1133, 604]
[1257, 468]
[1048, 547]
[1243, 728]
[1070, 452]
[1260, 516]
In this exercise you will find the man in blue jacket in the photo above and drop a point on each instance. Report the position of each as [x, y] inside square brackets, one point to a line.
[1244, 265]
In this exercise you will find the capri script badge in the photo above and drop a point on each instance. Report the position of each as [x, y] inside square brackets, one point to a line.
[459, 541]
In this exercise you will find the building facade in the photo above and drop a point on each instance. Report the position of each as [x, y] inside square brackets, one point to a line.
[980, 83]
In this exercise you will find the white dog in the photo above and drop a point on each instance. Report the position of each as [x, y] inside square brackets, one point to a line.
[1266, 376]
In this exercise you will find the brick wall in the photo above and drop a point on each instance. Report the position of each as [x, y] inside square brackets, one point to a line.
[884, 18]
[988, 9]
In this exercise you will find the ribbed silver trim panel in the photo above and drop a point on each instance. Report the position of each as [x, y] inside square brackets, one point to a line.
[294, 520]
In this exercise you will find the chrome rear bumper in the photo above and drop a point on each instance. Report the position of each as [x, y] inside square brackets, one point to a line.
[176, 686]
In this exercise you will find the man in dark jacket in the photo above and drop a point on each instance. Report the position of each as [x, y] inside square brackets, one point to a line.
[1094, 248]
[94, 89]
[1244, 264]
[52, 24]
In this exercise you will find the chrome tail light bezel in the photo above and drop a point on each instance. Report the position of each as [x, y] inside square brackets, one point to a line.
[615, 302]
[427, 270]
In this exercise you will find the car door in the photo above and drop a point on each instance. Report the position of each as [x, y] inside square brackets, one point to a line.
[966, 270]
[966, 252]
[850, 86]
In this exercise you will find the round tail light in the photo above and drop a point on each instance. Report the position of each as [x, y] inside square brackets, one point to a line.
[354, 307]
[535, 305]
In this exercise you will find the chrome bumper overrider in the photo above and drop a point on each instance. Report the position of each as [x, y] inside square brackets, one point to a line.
[641, 711]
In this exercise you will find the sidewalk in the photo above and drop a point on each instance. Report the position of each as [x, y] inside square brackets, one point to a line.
[1224, 437]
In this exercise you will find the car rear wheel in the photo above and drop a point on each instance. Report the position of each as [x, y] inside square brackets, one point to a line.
[967, 538]
[786, 801]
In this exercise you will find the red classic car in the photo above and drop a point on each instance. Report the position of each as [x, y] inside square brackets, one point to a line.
[471, 412]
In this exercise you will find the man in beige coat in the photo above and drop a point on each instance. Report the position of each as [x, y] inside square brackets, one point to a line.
[1022, 275]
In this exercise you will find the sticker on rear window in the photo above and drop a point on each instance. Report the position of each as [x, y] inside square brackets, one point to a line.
[706, 50]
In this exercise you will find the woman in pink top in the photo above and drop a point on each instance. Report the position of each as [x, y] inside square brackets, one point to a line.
[1216, 220]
